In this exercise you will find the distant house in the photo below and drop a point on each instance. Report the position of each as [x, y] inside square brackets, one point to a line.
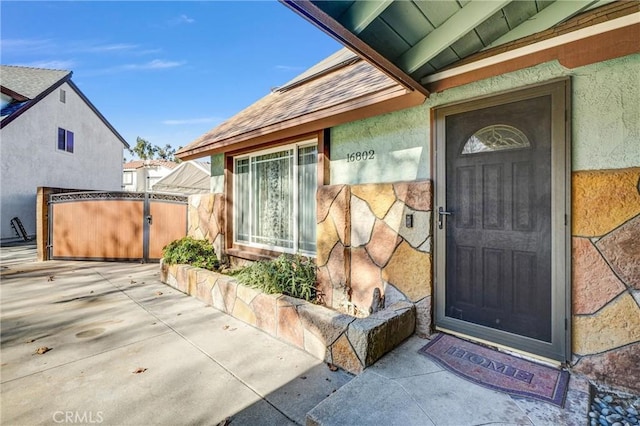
[190, 177]
[141, 175]
[53, 136]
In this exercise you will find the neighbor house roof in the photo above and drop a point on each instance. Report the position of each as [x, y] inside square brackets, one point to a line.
[30, 82]
[138, 164]
[339, 84]
[27, 86]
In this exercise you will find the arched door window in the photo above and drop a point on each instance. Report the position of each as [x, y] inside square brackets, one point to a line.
[497, 137]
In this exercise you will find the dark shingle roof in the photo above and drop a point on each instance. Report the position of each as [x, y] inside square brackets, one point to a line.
[26, 85]
[30, 82]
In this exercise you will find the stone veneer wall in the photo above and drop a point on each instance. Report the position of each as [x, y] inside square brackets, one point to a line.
[345, 341]
[606, 276]
[364, 243]
[206, 220]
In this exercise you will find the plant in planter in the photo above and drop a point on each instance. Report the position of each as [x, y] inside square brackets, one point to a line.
[287, 274]
[188, 250]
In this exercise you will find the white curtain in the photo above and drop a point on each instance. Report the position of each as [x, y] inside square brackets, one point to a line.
[272, 179]
[265, 202]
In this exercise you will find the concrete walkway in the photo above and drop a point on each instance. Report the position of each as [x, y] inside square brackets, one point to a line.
[126, 349]
[405, 388]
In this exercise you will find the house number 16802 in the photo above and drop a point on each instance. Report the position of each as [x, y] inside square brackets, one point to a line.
[361, 156]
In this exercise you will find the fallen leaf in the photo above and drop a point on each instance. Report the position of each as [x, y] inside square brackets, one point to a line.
[42, 350]
[139, 370]
[332, 367]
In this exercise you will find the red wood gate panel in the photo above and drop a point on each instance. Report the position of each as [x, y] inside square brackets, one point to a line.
[114, 225]
[168, 223]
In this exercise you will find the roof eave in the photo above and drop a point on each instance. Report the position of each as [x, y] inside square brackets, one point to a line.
[15, 95]
[98, 113]
[330, 26]
[382, 102]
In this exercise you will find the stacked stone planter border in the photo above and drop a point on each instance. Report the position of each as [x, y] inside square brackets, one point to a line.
[348, 342]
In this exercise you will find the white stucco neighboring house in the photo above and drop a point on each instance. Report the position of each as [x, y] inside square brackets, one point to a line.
[141, 175]
[52, 136]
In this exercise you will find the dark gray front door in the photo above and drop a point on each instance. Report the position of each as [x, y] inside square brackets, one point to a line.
[494, 222]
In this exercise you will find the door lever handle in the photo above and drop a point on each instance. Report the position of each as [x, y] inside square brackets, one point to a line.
[442, 212]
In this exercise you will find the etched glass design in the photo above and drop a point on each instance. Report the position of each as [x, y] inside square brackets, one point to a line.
[275, 199]
[497, 137]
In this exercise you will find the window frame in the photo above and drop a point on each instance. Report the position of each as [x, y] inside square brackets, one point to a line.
[65, 136]
[127, 177]
[235, 192]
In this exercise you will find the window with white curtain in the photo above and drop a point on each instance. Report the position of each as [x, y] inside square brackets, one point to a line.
[275, 199]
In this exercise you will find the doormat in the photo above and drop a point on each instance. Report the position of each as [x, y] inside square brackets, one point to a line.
[497, 370]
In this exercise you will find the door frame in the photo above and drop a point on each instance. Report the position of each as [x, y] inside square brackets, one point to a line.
[560, 347]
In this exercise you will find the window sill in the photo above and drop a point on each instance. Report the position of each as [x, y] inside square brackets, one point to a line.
[251, 254]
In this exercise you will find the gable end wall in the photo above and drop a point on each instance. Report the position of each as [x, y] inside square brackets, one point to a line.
[30, 157]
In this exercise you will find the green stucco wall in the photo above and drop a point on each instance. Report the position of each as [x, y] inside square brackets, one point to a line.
[217, 173]
[606, 115]
[400, 145]
[605, 123]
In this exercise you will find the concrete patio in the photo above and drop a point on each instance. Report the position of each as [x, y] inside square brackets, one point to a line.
[126, 349]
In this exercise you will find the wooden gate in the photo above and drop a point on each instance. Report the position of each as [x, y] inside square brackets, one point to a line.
[119, 226]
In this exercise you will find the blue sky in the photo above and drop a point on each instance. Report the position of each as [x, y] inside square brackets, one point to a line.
[167, 71]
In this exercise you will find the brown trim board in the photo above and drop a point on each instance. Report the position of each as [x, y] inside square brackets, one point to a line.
[598, 48]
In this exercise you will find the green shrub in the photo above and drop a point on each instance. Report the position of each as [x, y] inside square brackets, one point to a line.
[287, 274]
[188, 250]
